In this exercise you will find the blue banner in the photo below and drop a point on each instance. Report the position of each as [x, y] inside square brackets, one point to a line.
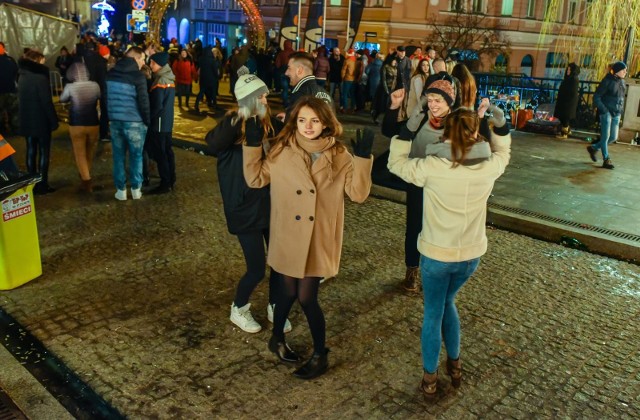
[313, 32]
[289, 23]
[357, 7]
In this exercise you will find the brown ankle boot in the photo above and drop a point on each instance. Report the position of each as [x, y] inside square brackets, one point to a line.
[86, 186]
[454, 370]
[411, 281]
[429, 385]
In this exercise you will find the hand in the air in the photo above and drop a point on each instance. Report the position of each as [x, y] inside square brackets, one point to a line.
[363, 144]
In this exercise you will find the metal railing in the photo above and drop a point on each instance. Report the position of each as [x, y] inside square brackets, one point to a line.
[529, 92]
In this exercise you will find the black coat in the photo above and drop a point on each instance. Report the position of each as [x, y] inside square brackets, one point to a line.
[8, 74]
[246, 209]
[567, 101]
[37, 115]
[609, 96]
[209, 69]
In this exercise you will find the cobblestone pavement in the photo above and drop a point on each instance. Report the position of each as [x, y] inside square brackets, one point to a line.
[135, 298]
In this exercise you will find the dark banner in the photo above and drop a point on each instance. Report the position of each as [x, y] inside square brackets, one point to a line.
[313, 31]
[289, 23]
[357, 7]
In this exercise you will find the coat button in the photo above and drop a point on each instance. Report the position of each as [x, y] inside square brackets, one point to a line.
[312, 191]
[298, 192]
[311, 218]
[298, 217]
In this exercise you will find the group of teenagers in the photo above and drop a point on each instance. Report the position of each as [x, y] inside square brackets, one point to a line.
[283, 182]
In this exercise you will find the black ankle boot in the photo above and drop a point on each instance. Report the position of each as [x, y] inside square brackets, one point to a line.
[282, 350]
[316, 366]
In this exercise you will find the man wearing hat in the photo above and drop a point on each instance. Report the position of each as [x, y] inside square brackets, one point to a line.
[609, 99]
[161, 97]
[246, 209]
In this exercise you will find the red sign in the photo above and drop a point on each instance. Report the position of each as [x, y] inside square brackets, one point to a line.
[15, 207]
[139, 4]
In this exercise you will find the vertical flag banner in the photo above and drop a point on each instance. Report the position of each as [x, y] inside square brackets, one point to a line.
[313, 35]
[356, 7]
[289, 23]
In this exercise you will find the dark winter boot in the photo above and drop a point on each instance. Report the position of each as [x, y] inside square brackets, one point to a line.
[454, 370]
[282, 350]
[429, 385]
[316, 366]
[411, 281]
[608, 164]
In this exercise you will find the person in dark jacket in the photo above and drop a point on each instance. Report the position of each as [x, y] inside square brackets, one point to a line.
[300, 74]
[336, 61]
[609, 99]
[567, 101]
[37, 115]
[63, 62]
[282, 59]
[209, 78]
[130, 116]
[246, 209]
[8, 91]
[97, 67]
[161, 98]
[83, 119]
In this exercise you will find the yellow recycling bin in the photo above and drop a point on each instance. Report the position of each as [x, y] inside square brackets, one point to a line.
[19, 246]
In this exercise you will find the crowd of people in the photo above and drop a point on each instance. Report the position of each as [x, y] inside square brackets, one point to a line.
[283, 178]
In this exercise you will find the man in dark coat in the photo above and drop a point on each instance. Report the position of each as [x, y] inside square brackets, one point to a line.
[161, 98]
[209, 76]
[567, 101]
[37, 115]
[300, 74]
[97, 67]
[336, 61]
[8, 91]
[129, 116]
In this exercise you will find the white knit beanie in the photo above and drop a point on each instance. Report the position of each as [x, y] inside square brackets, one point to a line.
[248, 88]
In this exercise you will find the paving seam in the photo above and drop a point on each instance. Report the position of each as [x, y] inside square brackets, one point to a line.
[53, 374]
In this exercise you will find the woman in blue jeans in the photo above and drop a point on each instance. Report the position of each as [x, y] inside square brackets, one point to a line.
[457, 176]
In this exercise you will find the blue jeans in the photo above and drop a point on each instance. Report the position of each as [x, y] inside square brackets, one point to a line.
[346, 95]
[440, 283]
[608, 133]
[127, 136]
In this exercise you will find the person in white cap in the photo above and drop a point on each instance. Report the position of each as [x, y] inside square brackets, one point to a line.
[247, 210]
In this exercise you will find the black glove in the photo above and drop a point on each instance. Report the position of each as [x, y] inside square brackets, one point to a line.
[253, 132]
[363, 144]
[405, 134]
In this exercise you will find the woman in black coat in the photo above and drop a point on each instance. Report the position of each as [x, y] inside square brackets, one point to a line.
[247, 210]
[567, 101]
[37, 115]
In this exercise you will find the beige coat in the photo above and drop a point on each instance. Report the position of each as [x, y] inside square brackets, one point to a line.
[307, 205]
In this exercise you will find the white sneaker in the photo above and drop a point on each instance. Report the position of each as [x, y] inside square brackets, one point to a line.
[136, 194]
[121, 195]
[243, 319]
[270, 308]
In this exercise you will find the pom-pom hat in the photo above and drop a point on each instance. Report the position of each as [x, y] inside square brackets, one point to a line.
[443, 88]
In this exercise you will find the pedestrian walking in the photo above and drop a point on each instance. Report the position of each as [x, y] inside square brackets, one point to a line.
[161, 99]
[453, 238]
[37, 116]
[84, 123]
[336, 61]
[418, 81]
[348, 76]
[387, 85]
[309, 171]
[567, 102]
[63, 61]
[282, 60]
[129, 115]
[209, 76]
[247, 209]
[609, 99]
[321, 68]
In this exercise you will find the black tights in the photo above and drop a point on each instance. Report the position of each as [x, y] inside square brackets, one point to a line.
[413, 226]
[253, 248]
[305, 290]
[43, 146]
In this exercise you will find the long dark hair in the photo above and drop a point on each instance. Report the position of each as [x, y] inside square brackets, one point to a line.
[325, 114]
[468, 88]
[461, 128]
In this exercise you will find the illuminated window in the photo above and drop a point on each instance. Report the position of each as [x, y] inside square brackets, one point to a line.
[507, 7]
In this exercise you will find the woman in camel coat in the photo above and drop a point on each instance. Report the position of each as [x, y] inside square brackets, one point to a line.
[309, 172]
